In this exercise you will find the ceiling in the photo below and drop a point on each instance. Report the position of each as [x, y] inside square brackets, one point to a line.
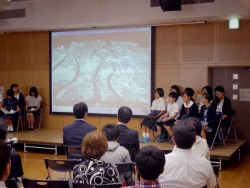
[76, 14]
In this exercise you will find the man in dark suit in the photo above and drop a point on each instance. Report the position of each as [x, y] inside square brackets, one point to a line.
[75, 132]
[127, 136]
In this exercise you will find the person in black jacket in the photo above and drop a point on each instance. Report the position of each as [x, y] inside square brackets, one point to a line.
[209, 116]
[223, 106]
[19, 96]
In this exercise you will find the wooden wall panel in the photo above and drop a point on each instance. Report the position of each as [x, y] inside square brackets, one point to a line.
[3, 50]
[41, 48]
[197, 43]
[20, 49]
[41, 82]
[233, 44]
[4, 80]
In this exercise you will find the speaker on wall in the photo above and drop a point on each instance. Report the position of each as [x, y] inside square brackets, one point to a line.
[170, 5]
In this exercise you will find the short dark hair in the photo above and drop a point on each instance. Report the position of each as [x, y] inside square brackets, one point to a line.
[209, 90]
[160, 91]
[33, 90]
[4, 157]
[196, 123]
[10, 93]
[189, 91]
[124, 114]
[79, 110]
[220, 89]
[177, 89]
[184, 134]
[207, 96]
[94, 144]
[13, 85]
[3, 129]
[150, 162]
[174, 95]
[112, 131]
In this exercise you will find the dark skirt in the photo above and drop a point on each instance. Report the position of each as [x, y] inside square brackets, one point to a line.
[150, 123]
[167, 123]
[35, 113]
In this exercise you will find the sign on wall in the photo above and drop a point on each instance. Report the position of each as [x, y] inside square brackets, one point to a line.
[244, 94]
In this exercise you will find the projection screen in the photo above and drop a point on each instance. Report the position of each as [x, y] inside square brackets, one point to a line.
[106, 69]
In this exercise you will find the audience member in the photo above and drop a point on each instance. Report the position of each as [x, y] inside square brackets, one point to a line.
[33, 103]
[209, 117]
[182, 168]
[176, 89]
[149, 163]
[11, 105]
[5, 163]
[94, 170]
[168, 119]
[190, 91]
[206, 90]
[126, 136]
[149, 122]
[16, 170]
[19, 96]
[75, 132]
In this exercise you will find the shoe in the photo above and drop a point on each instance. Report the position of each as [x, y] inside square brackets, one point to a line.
[159, 138]
[8, 128]
[31, 129]
[11, 128]
[146, 139]
[142, 138]
[170, 140]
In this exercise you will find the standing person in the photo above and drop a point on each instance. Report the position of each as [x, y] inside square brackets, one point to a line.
[19, 96]
[223, 106]
[208, 90]
[11, 104]
[33, 103]
[5, 163]
[209, 117]
[149, 123]
[168, 119]
[176, 89]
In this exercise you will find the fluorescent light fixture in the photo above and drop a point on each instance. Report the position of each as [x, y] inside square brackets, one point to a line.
[234, 23]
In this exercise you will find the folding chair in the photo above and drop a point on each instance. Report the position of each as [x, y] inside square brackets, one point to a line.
[232, 116]
[74, 152]
[126, 169]
[112, 185]
[131, 149]
[11, 183]
[60, 165]
[20, 119]
[40, 116]
[216, 169]
[32, 183]
[219, 133]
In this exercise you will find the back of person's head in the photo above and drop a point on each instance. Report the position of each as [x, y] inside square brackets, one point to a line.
[208, 97]
[94, 144]
[33, 90]
[150, 162]
[209, 90]
[13, 85]
[196, 123]
[112, 131]
[177, 89]
[3, 130]
[184, 135]
[160, 92]
[10, 93]
[124, 114]
[79, 110]
[4, 160]
[190, 91]
[173, 95]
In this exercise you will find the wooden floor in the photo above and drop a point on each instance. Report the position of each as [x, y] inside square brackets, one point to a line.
[54, 137]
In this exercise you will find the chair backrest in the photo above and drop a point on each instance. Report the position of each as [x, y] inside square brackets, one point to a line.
[11, 183]
[32, 183]
[166, 151]
[216, 169]
[112, 185]
[124, 167]
[131, 149]
[61, 165]
[73, 150]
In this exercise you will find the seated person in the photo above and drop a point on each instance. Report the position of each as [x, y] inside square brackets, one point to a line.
[182, 168]
[168, 119]
[33, 103]
[5, 163]
[208, 90]
[200, 146]
[94, 170]
[149, 163]
[116, 153]
[209, 116]
[149, 123]
[176, 89]
[10, 104]
[124, 116]
[16, 170]
[19, 96]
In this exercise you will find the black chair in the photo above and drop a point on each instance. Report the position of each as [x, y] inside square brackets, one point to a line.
[112, 185]
[32, 183]
[74, 152]
[11, 183]
[61, 165]
[131, 149]
[219, 133]
[126, 170]
[232, 116]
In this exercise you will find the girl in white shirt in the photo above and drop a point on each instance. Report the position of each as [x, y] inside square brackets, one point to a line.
[158, 106]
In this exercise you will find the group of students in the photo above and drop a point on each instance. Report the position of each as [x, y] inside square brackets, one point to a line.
[14, 105]
[210, 111]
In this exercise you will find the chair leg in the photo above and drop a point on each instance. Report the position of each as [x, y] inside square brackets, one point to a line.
[235, 134]
[214, 138]
[222, 137]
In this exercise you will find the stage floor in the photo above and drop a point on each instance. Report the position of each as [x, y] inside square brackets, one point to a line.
[54, 137]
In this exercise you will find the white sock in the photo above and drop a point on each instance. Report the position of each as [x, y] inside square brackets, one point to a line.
[144, 134]
[147, 135]
[11, 127]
